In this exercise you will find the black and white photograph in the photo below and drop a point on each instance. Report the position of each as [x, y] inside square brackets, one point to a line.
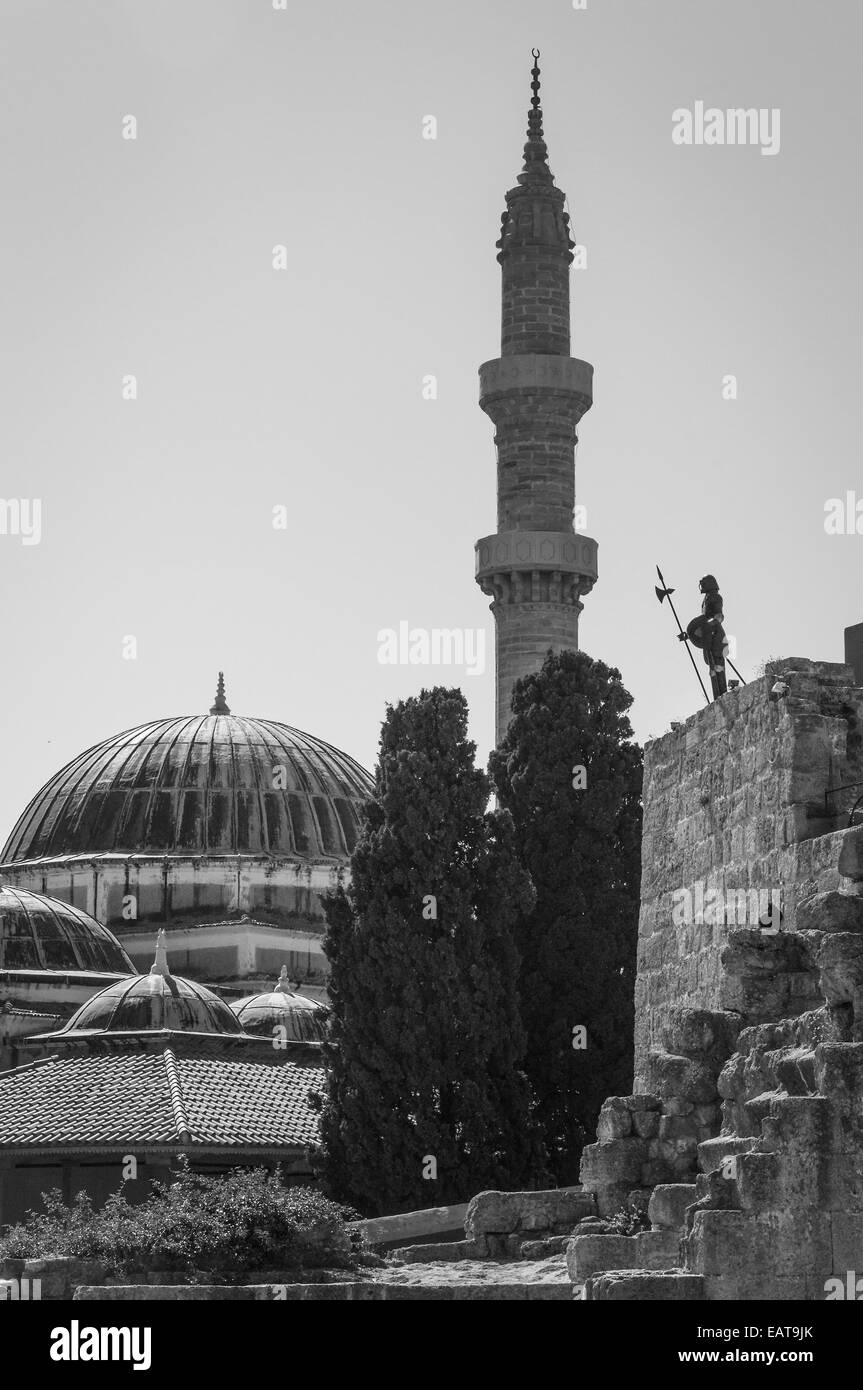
[431, 541]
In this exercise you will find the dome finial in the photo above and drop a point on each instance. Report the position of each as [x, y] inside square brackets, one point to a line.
[220, 706]
[160, 964]
[284, 986]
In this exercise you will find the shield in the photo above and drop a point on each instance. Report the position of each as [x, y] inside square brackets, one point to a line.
[695, 632]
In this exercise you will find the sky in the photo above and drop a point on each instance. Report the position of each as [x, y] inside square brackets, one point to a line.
[301, 387]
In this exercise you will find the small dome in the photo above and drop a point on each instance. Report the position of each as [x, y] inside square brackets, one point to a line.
[303, 1019]
[39, 933]
[154, 1002]
[208, 784]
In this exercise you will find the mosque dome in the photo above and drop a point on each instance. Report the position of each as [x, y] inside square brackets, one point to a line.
[154, 1002]
[199, 785]
[40, 933]
[303, 1019]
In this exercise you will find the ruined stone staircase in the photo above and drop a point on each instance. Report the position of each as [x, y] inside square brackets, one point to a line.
[771, 1207]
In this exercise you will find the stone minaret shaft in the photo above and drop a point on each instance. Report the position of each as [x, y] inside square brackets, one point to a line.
[536, 568]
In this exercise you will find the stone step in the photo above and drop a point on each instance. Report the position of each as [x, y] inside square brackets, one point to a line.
[713, 1152]
[449, 1251]
[379, 1291]
[649, 1250]
[641, 1286]
[668, 1204]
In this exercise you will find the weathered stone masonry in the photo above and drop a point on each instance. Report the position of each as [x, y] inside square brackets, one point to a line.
[735, 799]
[746, 1141]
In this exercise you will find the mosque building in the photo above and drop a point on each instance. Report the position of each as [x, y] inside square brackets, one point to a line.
[53, 957]
[223, 830]
[151, 1067]
[217, 835]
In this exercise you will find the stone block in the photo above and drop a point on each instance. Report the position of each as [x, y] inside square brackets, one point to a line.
[672, 1076]
[839, 1075]
[641, 1103]
[638, 1286]
[713, 1152]
[718, 1242]
[445, 1251]
[658, 1249]
[840, 964]
[668, 1205]
[676, 1105]
[58, 1276]
[758, 1181]
[831, 912]
[850, 863]
[801, 1123]
[701, 1034]
[707, 1115]
[846, 1243]
[617, 1164]
[658, 1170]
[503, 1213]
[677, 1132]
[645, 1123]
[615, 1121]
[586, 1255]
[795, 1244]
[756, 1286]
[610, 1200]
[544, 1249]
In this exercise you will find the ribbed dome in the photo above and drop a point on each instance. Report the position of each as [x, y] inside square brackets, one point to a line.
[303, 1019]
[154, 1002]
[213, 784]
[39, 933]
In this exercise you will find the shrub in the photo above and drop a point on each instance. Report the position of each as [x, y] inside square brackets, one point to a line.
[629, 1221]
[234, 1223]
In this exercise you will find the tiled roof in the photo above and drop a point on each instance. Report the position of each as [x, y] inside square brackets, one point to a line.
[173, 1092]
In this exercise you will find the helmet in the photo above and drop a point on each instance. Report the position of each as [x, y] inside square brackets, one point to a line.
[708, 585]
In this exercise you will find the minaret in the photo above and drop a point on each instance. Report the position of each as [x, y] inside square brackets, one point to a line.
[537, 567]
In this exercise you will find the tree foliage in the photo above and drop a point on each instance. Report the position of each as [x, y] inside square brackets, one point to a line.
[426, 1100]
[582, 847]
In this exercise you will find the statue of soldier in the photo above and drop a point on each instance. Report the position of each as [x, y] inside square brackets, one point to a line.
[708, 633]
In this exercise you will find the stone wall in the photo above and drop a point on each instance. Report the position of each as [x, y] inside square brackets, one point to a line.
[763, 1017]
[735, 801]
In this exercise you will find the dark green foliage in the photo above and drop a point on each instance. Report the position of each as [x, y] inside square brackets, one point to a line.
[244, 1220]
[425, 1044]
[583, 851]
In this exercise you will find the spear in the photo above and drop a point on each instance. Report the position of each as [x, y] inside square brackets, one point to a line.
[665, 593]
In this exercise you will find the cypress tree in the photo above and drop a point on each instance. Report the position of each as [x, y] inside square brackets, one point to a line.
[426, 1103]
[582, 847]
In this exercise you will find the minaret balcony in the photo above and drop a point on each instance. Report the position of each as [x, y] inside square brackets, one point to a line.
[566, 552]
[536, 372]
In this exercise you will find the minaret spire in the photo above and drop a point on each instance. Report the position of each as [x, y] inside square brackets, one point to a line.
[221, 705]
[536, 150]
[536, 568]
